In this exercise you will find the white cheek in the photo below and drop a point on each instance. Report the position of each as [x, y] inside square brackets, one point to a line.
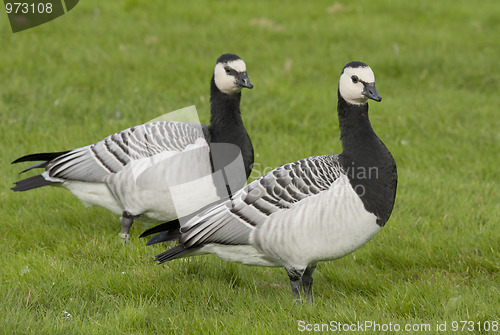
[238, 65]
[366, 74]
[225, 83]
[351, 92]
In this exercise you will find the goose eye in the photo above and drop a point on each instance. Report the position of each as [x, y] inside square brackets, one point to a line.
[228, 69]
[355, 79]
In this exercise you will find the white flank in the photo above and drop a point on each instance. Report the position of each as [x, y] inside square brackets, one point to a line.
[168, 185]
[325, 226]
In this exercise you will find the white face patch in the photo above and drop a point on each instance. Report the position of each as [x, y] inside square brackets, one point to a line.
[238, 65]
[353, 92]
[226, 82]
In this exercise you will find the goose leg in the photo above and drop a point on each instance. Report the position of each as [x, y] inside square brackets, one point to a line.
[307, 282]
[295, 276]
[127, 221]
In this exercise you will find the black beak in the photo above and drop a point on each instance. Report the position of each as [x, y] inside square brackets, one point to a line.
[243, 80]
[371, 92]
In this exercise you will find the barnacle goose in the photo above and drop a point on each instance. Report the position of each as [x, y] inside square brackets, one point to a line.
[315, 209]
[109, 173]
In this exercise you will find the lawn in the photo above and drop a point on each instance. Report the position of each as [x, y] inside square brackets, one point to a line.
[108, 65]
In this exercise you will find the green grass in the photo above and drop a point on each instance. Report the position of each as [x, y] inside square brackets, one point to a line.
[109, 65]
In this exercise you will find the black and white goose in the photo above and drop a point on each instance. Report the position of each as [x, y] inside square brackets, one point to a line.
[109, 173]
[318, 208]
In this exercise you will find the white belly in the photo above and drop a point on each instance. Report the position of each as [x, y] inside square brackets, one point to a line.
[94, 194]
[245, 254]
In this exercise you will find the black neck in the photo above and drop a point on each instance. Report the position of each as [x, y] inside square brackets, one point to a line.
[356, 132]
[224, 108]
[367, 162]
[226, 125]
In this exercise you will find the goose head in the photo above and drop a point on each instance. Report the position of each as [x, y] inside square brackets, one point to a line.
[357, 84]
[230, 74]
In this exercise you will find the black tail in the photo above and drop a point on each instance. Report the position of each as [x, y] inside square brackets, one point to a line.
[168, 231]
[173, 253]
[42, 156]
[174, 224]
[164, 236]
[45, 157]
[31, 183]
[35, 181]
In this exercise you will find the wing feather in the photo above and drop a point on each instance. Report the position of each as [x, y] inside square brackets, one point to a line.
[94, 162]
[232, 221]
